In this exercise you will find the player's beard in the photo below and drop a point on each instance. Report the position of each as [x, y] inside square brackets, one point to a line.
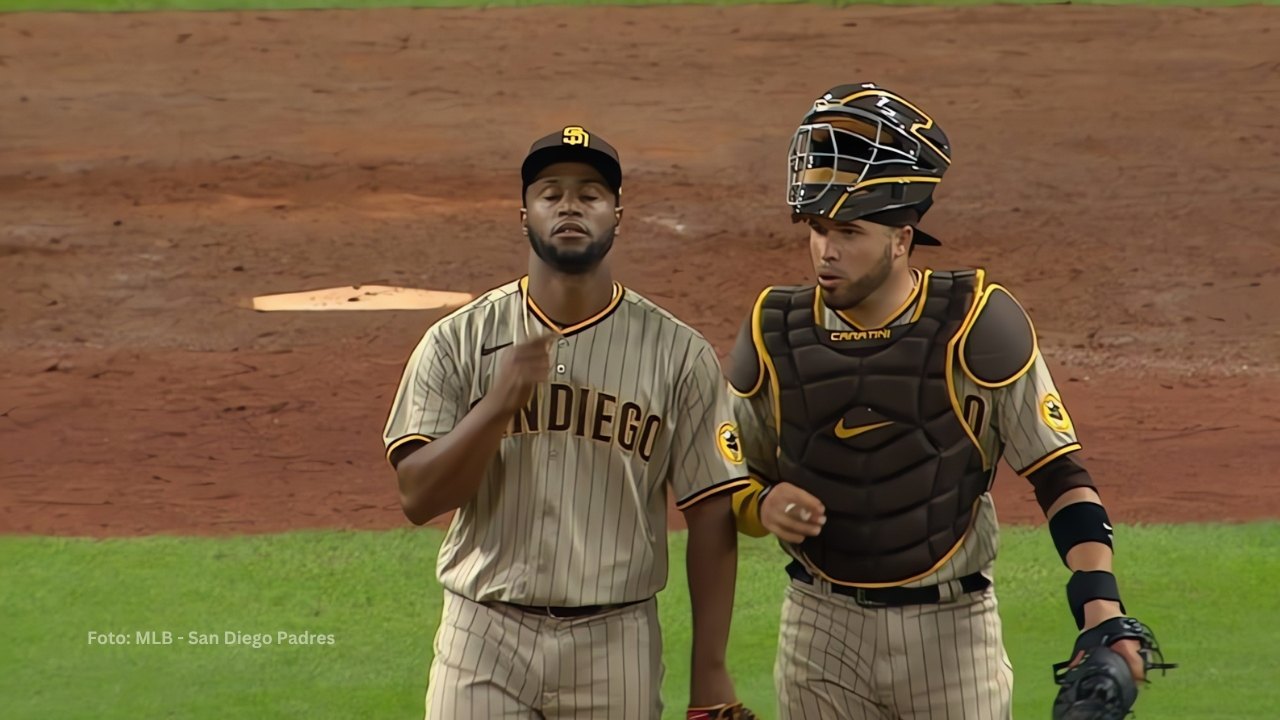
[852, 294]
[576, 261]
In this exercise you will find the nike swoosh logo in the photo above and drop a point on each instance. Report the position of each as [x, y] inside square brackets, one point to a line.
[844, 433]
[494, 349]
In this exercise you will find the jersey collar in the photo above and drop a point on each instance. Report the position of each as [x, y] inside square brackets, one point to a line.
[542, 317]
[916, 298]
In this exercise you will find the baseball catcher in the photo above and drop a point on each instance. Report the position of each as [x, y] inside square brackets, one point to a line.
[875, 405]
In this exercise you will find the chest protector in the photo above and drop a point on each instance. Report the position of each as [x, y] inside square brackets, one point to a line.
[870, 426]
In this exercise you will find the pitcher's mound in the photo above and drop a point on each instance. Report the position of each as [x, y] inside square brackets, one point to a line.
[361, 297]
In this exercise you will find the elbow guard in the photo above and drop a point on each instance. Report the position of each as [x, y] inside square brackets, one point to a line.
[1078, 523]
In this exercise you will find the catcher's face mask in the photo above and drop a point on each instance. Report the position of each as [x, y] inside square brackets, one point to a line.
[844, 153]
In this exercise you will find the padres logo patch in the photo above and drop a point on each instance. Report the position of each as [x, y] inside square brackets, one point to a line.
[575, 135]
[728, 442]
[1053, 414]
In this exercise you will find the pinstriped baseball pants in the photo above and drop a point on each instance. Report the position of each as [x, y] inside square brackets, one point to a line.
[923, 662]
[500, 663]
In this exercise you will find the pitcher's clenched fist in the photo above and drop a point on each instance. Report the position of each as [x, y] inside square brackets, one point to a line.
[520, 368]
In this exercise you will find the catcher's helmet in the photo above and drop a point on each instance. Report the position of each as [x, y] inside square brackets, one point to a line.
[863, 150]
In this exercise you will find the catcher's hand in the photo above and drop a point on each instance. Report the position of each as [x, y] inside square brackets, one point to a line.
[734, 711]
[1099, 683]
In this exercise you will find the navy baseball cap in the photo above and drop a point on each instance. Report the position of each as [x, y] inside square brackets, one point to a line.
[572, 144]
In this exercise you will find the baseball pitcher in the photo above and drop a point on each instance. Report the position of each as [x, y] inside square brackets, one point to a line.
[553, 413]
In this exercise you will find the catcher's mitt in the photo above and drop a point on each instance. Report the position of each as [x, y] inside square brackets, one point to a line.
[1101, 686]
[735, 711]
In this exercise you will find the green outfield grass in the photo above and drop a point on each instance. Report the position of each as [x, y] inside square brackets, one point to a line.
[1208, 591]
[148, 5]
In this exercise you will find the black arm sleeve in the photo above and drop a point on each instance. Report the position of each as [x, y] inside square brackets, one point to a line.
[1057, 477]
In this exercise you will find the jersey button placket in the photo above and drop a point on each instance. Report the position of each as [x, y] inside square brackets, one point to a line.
[560, 366]
[553, 455]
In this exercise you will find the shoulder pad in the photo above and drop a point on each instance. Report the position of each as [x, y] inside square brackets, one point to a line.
[999, 346]
[746, 369]
[746, 366]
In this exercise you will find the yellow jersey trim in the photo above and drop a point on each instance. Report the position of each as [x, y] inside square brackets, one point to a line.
[733, 484]
[614, 301]
[917, 296]
[400, 442]
[1064, 450]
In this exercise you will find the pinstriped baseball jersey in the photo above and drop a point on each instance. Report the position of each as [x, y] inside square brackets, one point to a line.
[572, 510]
[1023, 421]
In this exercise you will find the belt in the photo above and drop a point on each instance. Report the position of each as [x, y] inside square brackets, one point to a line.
[576, 611]
[892, 596]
